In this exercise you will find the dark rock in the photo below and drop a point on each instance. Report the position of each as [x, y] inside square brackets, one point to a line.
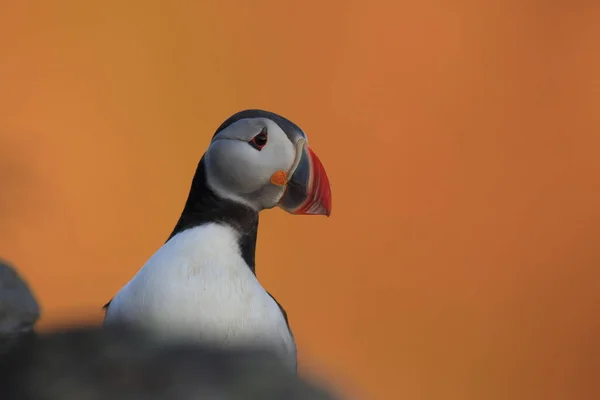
[19, 311]
[122, 364]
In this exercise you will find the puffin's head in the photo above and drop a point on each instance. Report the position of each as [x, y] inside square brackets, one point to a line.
[263, 160]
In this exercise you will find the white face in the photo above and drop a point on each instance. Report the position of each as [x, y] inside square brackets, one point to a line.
[241, 171]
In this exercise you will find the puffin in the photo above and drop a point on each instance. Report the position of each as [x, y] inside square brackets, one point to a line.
[201, 284]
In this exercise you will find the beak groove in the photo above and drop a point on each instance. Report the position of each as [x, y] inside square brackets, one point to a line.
[308, 191]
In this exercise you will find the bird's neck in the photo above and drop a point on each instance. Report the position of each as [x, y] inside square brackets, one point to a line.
[204, 206]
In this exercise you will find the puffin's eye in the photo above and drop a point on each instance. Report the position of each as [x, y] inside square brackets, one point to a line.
[259, 141]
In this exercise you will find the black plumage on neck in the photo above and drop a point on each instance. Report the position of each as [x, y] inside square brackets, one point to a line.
[204, 206]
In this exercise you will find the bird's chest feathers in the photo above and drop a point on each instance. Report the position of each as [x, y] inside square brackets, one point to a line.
[199, 279]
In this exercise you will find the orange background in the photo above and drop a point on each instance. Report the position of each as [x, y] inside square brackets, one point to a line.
[461, 260]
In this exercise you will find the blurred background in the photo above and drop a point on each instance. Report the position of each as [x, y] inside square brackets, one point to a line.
[462, 257]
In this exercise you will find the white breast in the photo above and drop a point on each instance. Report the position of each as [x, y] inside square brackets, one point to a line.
[198, 287]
